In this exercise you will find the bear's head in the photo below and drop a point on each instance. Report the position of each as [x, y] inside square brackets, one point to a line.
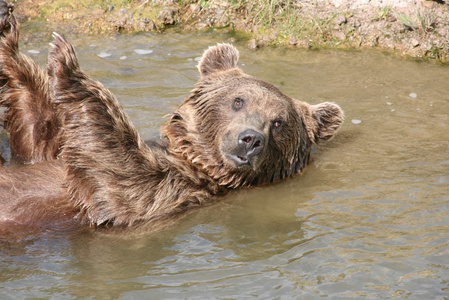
[241, 130]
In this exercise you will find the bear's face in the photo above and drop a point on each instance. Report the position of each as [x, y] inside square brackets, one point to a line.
[242, 130]
[253, 122]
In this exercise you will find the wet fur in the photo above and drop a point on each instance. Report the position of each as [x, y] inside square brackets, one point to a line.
[31, 117]
[95, 167]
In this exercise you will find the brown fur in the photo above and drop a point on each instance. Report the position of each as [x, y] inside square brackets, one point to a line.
[34, 194]
[30, 119]
[107, 175]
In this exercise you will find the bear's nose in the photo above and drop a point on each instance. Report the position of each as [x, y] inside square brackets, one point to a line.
[251, 142]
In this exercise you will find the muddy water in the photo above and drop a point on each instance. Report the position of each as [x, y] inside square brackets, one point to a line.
[368, 219]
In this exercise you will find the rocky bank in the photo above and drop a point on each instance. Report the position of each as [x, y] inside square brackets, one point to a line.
[412, 28]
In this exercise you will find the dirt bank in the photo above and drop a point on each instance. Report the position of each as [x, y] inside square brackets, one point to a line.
[414, 28]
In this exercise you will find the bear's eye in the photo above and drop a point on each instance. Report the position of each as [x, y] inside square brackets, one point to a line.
[238, 103]
[277, 124]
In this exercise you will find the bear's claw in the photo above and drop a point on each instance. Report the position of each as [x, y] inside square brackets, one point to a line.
[5, 8]
[6, 17]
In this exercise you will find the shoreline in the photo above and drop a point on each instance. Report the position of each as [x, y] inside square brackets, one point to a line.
[417, 29]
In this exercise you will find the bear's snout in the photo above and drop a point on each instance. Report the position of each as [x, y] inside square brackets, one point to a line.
[250, 144]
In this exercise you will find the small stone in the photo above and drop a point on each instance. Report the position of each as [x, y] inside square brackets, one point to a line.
[340, 35]
[252, 44]
[414, 43]
[167, 16]
[292, 41]
[355, 121]
[194, 8]
[340, 20]
[355, 23]
[413, 95]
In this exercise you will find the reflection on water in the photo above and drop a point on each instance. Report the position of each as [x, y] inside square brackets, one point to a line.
[368, 219]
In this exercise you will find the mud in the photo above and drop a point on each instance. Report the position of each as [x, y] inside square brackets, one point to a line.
[412, 28]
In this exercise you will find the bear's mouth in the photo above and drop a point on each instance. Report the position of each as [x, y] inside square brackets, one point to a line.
[239, 161]
[245, 150]
[242, 159]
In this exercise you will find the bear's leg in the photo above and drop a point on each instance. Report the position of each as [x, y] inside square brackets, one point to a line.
[109, 168]
[5, 26]
[30, 115]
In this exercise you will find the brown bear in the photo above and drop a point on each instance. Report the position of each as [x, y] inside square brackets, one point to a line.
[85, 161]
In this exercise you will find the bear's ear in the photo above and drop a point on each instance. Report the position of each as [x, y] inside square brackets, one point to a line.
[327, 118]
[218, 58]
